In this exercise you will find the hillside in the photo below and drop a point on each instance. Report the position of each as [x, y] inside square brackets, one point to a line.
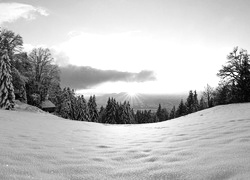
[210, 144]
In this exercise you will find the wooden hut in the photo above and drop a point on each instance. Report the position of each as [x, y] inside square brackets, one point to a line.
[47, 105]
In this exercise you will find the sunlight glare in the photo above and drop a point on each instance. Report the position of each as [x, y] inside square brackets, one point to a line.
[132, 93]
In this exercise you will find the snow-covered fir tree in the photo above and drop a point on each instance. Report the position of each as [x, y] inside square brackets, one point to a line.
[82, 109]
[7, 95]
[92, 107]
[125, 114]
[110, 112]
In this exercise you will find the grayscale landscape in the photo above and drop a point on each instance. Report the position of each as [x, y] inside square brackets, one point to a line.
[124, 90]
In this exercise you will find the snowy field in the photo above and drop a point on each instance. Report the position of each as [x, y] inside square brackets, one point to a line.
[210, 144]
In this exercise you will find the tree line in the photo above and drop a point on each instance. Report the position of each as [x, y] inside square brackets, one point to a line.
[30, 77]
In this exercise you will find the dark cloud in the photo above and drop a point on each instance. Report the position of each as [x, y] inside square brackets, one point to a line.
[82, 77]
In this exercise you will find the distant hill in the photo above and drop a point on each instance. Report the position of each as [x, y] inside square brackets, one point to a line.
[144, 101]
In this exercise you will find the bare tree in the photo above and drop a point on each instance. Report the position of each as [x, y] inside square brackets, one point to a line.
[45, 73]
[237, 71]
[209, 96]
[11, 42]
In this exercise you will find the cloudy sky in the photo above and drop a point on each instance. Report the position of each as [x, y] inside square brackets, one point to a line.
[135, 46]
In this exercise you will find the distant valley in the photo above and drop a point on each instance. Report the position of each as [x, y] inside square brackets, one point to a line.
[143, 101]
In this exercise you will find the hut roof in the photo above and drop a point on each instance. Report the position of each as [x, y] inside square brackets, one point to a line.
[47, 104]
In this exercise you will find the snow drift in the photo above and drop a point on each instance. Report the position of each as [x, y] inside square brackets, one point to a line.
[210, 144]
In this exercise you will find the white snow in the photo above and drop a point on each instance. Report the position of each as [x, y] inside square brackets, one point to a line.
[210, 144]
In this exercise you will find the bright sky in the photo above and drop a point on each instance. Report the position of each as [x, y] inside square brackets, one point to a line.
[183, 42]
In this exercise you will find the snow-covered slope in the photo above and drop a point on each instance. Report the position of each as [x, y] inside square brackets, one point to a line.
[210, 144]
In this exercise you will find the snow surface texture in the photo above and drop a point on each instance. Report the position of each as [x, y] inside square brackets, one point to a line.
[210, 144]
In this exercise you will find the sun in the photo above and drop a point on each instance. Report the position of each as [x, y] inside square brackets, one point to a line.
[132, 93]
[133, 96]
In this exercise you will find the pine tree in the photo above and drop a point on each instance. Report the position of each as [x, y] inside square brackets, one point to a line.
[159, 113]
[110, 112]
[182, 110]
[64, 108]
[190, 102]
[72, 104]
[202, 104]
[82, 109]
[165, 114]
[128, 115]
[67, 105]
[138, 116]
[92, 107]
[172, 113]
[86, 116]
[7, 95]
[196, 102]
[149, 117]
[101, 114]
[120, 114]
[133, 121]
